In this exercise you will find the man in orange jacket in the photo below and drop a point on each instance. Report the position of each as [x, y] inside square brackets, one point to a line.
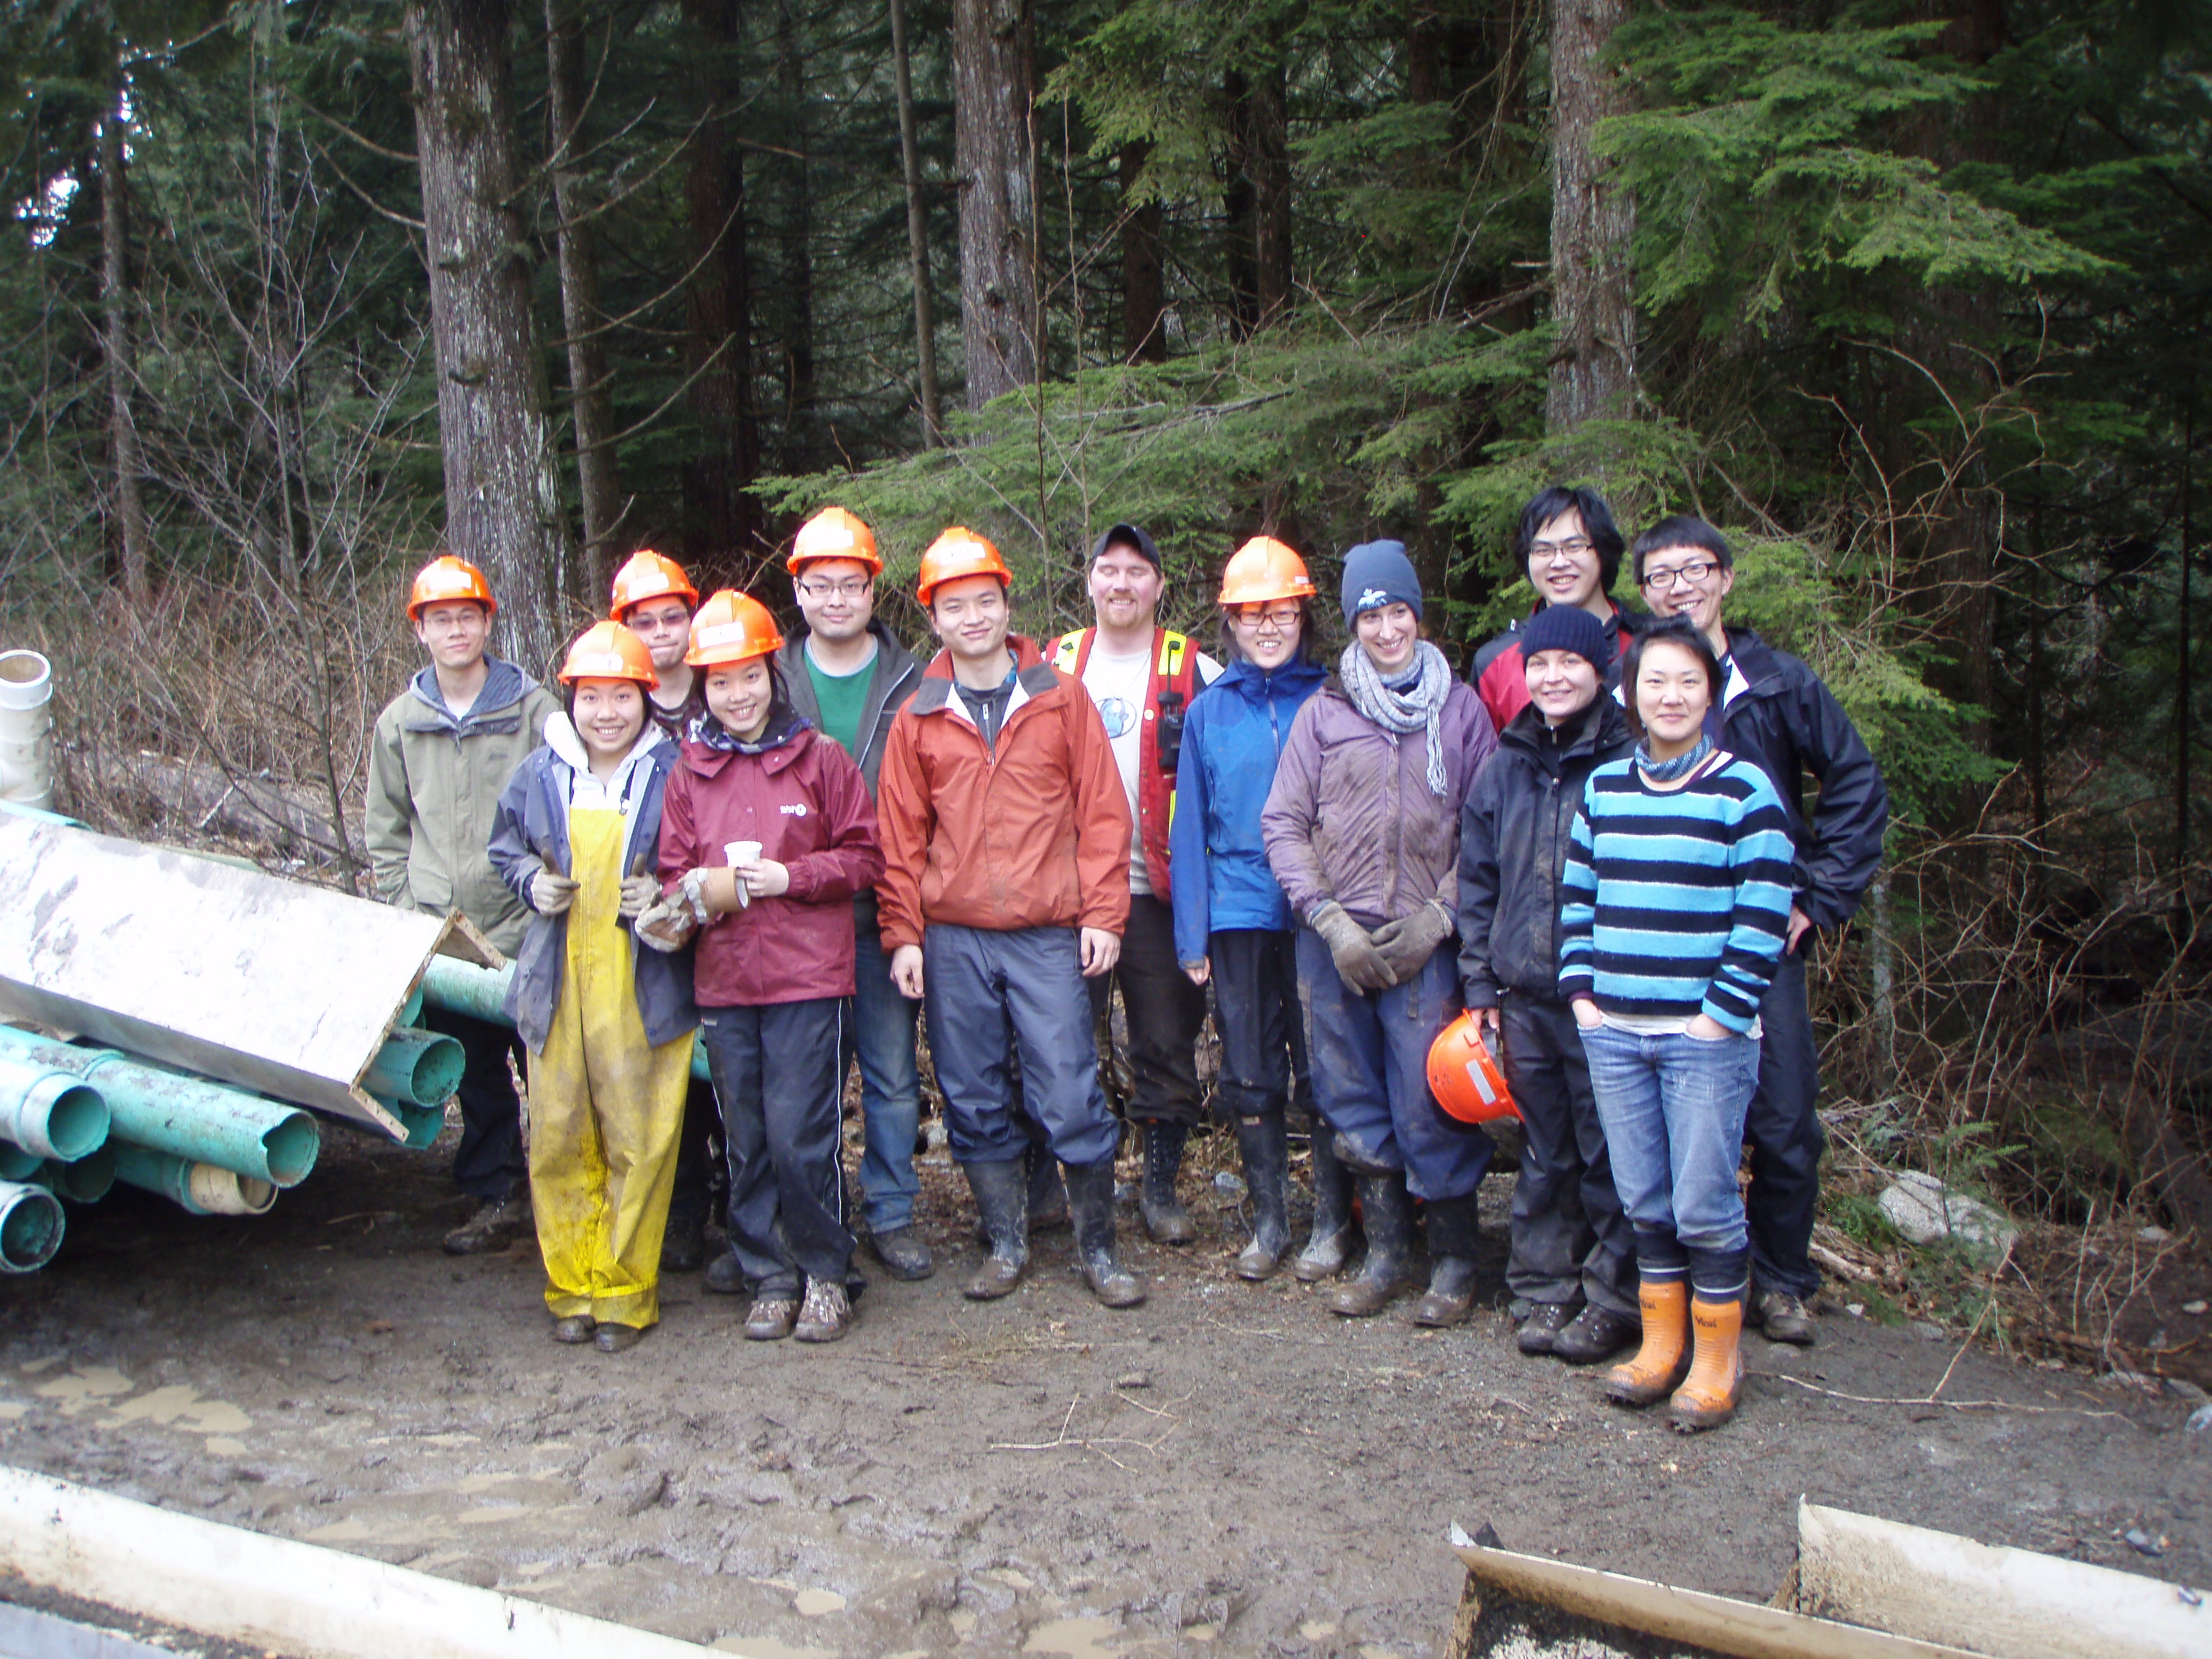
[1006, 885]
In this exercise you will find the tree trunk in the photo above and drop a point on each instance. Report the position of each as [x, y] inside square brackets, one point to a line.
[1593, 362]
[917, 236]
[993, 63]
[598, 473]
[134, 535]
[1239, 201]
[799, 447]
[721, 519]
[1143, 291]
[1271, 177]
[503, 496]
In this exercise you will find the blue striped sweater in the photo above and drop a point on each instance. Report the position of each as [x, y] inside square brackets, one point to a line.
[1676, 902]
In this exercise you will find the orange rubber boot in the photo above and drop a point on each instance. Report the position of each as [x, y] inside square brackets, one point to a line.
[1661, 1364]
[1707, 1398]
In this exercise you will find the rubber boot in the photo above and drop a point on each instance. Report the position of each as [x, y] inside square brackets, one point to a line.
[1708, 1396]
[1002, 1192]
[1091, 1205]
[1048, 1196]
[1657, 1368]
[1452, 1230]
[1264, 1143]
[1389, 1216]
[1164, 1218]
[1329, 1244]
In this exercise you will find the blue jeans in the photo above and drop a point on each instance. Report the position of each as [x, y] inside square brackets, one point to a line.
[1673, 1108]
[882, 1034]
[1369, 1051]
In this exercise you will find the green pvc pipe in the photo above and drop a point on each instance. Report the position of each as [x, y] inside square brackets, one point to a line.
[200, 1188]
[410, 1011]
[199, 1120]
[18, 1164]
[30, 1227]
[422, 1124]
[419, 1067]
[86, 1180]
[43, 1110]
[462, 988]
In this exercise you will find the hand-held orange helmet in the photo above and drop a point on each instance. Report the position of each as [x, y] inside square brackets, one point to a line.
[647, 575]
[1465, 1076]
[833, 534]
[447, 580]
[959, 552]
[1263, 569]
[732, 626]
[609, 651]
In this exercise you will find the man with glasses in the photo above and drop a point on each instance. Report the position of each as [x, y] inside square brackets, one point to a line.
[849, 676]
[1570, 546]
[1775, 712]
[1142, 677]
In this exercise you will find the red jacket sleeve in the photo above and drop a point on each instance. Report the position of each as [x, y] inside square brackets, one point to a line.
[850, 859]
[677, 852]
[904, 822]
[1101, 816]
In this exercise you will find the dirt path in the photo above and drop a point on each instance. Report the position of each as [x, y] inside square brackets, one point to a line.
[1228, 1469]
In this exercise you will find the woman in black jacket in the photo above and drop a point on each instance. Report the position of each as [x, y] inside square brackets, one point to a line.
[1573, 1261]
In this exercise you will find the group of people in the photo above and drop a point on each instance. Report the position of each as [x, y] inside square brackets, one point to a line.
[1595, 849]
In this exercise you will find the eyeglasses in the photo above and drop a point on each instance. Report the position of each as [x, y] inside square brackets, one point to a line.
[1574, 548]
[1693, 573]
[1280, 618]
[815, 589]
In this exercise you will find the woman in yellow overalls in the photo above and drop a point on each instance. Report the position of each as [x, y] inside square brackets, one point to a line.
[609, 1026]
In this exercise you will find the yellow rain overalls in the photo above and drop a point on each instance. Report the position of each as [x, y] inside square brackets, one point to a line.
[606, 1106]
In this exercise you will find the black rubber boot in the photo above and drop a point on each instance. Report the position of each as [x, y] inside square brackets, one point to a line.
[1329, 1244]
[1002, 1205]
[1388, 1212]
[1048, 1196]
[1165, 1218]
[1265, 1143]
[1451, 1296]
[1091, 1204]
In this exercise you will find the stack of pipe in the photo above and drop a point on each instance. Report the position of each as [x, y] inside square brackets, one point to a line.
[462, 988]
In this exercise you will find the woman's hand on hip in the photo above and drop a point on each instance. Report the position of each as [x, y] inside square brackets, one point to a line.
[1706, 1029]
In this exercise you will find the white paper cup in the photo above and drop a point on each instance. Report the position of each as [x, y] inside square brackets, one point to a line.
[741, 853]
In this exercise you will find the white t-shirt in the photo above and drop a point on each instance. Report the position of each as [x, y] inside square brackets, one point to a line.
[1117, 685]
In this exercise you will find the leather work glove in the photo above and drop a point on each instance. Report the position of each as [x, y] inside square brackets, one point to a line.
[552, 893]
[1357, 962]
[637, 892]
[665, 925]
[1407, 945]
[714, 892]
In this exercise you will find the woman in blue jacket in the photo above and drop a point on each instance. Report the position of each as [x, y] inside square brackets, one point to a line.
[1232, 923]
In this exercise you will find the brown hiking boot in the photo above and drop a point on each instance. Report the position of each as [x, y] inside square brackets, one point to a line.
[1657, 1368]
[827, 1314]
[1707, 1397]
[493, 1227]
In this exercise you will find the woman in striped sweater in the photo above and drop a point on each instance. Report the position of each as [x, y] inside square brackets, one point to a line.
[1674, 904]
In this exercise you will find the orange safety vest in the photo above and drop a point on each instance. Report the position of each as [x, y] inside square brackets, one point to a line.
[1167, 699]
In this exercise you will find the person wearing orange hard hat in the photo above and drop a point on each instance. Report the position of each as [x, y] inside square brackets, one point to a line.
[440, 754]
[769, 837]
[609, 1026]
[850, 675]
[1233, 927]
[654, 598]
[1573, 1264]
[1005, 887]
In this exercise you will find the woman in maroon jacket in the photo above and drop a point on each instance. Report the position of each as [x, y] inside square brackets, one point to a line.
[767, 835]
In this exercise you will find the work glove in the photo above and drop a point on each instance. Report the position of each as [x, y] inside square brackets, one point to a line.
[712, 892]
[1359, 963]
[637, 892]
[665, 925]
[552, 893]
[1407, 945]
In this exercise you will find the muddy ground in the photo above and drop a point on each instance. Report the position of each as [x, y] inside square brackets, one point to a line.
[1227, 1470]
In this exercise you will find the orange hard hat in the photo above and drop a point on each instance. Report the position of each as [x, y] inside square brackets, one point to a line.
[649, 576]
[609, 651]
[959, 552]
[1264, 569]
[1464, 1075]
[732, 626]
[445, 579]
[833, 534]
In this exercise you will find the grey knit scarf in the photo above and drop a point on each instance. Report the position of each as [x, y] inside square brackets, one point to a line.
[1417, 707]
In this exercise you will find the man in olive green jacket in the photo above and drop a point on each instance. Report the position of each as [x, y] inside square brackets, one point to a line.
[443, 749]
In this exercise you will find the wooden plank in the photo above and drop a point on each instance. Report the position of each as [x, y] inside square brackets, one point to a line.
[1743, 1630]
[1941, 1588]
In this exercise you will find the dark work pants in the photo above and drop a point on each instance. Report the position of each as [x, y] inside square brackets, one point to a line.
[489, 1163]
[1166, 1014]
[1783, 1129]
[1255, 1008]
[1570, 1234]
[777, 1076]
[692, 1197]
